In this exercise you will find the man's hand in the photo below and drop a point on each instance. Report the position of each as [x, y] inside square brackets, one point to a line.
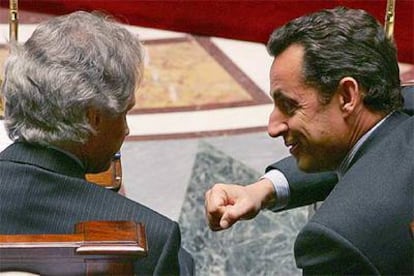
[225, 204]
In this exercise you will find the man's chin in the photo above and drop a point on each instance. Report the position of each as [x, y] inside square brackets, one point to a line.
[309, 166]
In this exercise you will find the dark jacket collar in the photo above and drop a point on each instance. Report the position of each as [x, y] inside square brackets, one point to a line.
[43, 157]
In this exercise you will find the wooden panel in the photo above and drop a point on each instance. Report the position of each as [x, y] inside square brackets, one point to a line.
[96, 247]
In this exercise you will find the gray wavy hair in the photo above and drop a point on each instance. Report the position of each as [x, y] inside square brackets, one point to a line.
[70, 63]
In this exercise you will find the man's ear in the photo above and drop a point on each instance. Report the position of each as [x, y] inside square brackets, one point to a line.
[94, 117]
[350, 95]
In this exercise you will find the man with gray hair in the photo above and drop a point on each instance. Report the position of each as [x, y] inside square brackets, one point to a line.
[67, 91]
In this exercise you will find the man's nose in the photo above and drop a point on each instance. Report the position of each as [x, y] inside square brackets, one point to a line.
[277, 123]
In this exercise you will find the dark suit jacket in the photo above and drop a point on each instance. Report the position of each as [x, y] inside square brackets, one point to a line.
[363, 225]
[44, 191]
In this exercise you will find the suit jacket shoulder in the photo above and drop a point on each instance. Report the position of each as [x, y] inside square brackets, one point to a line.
[44, 191]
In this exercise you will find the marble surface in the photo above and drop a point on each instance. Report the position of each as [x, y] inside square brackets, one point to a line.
[262, 246]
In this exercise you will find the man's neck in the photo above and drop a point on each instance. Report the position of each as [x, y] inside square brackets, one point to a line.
[367, 126]
[361, 122]
[68, 152]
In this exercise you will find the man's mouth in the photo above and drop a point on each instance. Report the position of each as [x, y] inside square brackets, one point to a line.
[293, 147]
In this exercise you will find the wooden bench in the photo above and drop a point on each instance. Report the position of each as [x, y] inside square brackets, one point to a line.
[95, 248]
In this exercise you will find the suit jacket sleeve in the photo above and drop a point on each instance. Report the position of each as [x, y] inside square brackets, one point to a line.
[305, 188]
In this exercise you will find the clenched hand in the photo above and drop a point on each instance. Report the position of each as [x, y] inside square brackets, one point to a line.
[225, 204]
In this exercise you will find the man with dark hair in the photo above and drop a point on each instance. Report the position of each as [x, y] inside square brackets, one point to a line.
[67, 91]
[336, 89]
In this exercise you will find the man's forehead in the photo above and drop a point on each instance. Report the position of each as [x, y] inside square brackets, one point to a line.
[297, 93]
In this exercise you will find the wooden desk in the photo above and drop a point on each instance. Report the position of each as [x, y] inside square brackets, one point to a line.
[95, 248]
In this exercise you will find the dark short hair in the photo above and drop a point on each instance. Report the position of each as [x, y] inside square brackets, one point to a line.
[344, 42]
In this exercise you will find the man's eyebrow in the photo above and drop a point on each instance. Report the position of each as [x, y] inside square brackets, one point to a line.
[275, 93]
[278, 94]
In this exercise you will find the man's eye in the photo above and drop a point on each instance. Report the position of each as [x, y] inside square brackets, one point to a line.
[286, 107]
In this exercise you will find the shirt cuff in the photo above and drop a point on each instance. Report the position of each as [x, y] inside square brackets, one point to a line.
[281, 186]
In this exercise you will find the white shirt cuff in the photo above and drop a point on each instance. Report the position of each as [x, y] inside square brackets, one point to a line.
[281, 186]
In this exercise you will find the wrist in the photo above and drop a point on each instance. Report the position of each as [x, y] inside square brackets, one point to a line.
[264, 193]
